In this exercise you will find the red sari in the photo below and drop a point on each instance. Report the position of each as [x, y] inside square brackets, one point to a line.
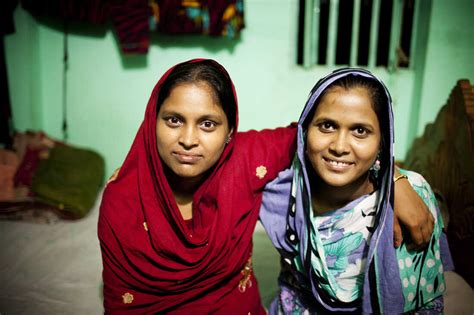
[156, 262]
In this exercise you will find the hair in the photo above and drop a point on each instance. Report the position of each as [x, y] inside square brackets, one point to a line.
[210, 73]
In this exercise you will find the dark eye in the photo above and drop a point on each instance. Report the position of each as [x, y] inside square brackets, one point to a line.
[173, 121]
[208, 125]
[361, 132]
[326, 126]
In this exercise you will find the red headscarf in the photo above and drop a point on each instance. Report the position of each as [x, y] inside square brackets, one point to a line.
[153, 261]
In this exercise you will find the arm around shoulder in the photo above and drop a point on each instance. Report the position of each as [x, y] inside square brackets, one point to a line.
[412, 212]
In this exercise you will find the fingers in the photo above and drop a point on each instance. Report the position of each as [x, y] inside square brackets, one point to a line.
[414, 215]
[421, 234]
[428, 228]
[417, 238]
[397, 233]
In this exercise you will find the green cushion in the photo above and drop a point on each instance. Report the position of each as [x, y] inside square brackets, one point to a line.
[69, 179]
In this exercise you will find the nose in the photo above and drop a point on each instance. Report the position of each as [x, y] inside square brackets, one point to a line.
[189, 137]
[339, 144]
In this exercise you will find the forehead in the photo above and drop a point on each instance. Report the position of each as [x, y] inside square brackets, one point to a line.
[192, 98]
[352, 104]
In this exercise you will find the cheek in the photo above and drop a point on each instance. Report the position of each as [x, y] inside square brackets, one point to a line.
[314, 146]
[367, 151]
[315, 142]
[160, 137]
[164, 140]
[214, 143]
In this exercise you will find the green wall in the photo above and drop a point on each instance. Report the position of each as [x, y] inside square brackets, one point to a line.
[450, 55]
[23, 68]
[108, 92]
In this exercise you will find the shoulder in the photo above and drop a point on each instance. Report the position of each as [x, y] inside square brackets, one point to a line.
[119, 199]
[419, 184]
[415, 178]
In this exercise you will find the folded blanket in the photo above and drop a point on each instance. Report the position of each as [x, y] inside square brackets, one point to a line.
[69, 179]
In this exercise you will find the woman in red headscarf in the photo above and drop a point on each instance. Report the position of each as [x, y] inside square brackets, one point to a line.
[176, 225]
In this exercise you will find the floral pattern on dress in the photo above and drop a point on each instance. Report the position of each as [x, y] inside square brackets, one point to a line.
[341, 239]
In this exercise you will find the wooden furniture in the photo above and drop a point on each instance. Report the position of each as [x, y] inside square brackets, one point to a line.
[444, 155]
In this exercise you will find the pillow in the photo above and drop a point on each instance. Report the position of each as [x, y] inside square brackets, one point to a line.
[69, 179]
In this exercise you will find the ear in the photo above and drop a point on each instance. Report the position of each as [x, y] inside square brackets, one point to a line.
[229, 136]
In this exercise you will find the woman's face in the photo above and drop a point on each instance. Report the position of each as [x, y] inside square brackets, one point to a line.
[191, 130]
[343, 138]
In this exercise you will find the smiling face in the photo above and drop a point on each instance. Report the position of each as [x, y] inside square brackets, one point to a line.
[343, 138]
[191, 130]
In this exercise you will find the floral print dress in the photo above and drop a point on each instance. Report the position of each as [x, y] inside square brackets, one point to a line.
[339, 251]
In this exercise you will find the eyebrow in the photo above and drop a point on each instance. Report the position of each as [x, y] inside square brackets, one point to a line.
[324, 119]
[366, 126]
[210, 117]
[200, 118]
[171, 113]
[354, 125]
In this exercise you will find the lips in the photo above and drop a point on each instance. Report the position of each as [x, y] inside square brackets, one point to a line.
[187, 158]
[337, 165]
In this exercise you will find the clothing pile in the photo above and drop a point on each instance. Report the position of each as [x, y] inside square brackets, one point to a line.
[44, 180]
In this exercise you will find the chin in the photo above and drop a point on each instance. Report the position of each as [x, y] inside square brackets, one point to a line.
[338, 184]
[337, 181]
[188, 175]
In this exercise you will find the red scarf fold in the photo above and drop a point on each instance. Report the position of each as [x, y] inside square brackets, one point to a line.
[152, 261]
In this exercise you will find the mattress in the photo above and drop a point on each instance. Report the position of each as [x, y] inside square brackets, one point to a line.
[51, 268]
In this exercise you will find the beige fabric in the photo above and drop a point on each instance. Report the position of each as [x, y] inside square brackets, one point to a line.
[459, 297]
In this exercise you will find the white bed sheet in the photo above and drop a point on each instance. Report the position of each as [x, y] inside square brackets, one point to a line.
[51, 268]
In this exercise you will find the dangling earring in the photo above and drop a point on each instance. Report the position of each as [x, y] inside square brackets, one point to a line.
[375, 168]
[228, 139]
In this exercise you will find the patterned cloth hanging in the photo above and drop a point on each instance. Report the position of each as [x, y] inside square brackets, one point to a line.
[134, 20]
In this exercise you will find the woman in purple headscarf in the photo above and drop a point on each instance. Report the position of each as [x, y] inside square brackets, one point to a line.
[331, 214]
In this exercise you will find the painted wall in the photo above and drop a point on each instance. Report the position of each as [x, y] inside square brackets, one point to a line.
[23, 68]
[450, 55]
[107, 92]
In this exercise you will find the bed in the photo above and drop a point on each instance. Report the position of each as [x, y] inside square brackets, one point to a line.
[56, 269]
[51, 268]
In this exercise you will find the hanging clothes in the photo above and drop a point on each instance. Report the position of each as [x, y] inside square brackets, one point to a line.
[91, 11]
[210, 17]
[134, 20]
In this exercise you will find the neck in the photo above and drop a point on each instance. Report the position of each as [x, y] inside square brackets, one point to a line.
[326, 198]
[183, 186]
[183, 191]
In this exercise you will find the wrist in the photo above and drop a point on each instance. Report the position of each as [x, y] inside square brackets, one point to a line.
[398, 177]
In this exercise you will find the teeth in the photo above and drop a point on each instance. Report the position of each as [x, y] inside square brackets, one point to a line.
[336, 163]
